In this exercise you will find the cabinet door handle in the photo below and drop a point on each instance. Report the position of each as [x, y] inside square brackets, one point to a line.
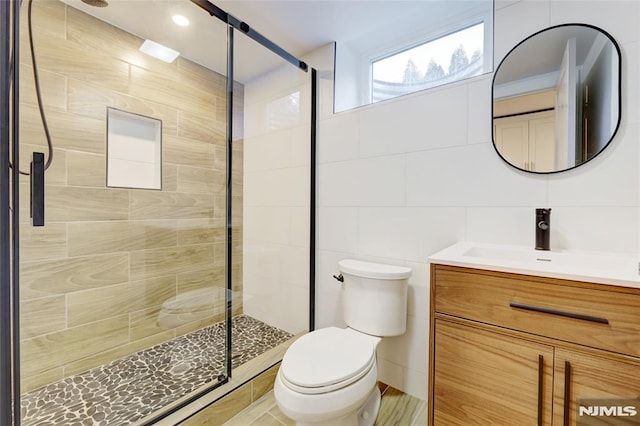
[567, 393]
[540, 387]
[559, 313]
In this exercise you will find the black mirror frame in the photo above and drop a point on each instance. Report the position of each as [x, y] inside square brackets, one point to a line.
[615, 131]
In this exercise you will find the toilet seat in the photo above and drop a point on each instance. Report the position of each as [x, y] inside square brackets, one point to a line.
[327, 360]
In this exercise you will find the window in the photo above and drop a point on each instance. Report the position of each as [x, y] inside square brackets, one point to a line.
[418, 45]
[453, 57]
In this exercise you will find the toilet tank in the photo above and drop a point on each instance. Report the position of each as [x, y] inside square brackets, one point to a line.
[375, 297]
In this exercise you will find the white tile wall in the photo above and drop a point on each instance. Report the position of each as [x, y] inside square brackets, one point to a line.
[378, 181]
[401, 180]
[276, 201]
[414, 123]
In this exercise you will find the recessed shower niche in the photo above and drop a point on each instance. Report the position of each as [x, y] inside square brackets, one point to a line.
[134, 150]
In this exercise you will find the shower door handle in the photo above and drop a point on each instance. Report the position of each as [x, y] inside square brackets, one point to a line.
[37, 189]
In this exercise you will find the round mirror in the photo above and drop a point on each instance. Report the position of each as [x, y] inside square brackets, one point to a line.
[556, 98]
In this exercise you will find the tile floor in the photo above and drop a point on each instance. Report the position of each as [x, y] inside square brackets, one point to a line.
[130, 388]
[396, 408]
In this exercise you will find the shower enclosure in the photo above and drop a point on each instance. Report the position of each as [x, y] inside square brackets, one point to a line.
[157, 217]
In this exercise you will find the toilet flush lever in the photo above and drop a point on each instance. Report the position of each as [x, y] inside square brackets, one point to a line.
[339, 278]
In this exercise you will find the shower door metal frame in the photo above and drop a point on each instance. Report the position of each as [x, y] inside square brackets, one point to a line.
[9, 212]
[235, 24]
[5, 227]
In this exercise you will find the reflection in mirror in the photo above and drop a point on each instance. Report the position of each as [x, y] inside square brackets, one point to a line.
[556, 98]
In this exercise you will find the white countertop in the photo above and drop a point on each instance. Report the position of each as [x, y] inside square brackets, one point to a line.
[603, 268]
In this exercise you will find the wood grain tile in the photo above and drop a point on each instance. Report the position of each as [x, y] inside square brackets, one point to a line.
[53, 88]
[51, 277]
[266, 420]
[188, 152]
[86, 169]
[170, 205]
[207, 277]
[118, 236]
[68, 131]
[29, 383]
[199, 231]
[88, 100]
[155, 87]
[254, 411]
[172, 260]
[276, 413]
[42, 316]
[203, 78]
[91, 100]
[78, 133]
[70, 204]
[421, 416]
[169, 177]
[223, 410]
[104, 39]
[48, 19]
[398, 408]
[264, 383]
[68, 58]
[197, 325]
[203, 129]
[116, 352]
[52, 350]
[46, 242]
[56, 174]
[99, 303]
[144, 323]
[200, 180]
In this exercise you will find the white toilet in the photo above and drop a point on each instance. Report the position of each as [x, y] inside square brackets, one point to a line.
[328, 377]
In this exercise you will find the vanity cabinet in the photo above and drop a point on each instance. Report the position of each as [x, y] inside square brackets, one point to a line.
[587, 376]
[517, 349]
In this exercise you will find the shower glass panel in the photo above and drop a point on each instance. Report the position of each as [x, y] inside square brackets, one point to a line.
[273, 130]
[122, 291]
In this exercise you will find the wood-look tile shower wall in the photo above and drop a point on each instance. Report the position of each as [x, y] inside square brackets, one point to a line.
[94, 278]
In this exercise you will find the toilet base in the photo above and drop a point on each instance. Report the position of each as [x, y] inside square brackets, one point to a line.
[366, 415]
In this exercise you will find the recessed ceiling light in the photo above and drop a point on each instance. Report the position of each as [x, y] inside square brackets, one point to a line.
[181, 20]
[159, 51]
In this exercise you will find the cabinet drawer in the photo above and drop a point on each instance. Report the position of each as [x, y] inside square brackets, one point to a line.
[596, 316]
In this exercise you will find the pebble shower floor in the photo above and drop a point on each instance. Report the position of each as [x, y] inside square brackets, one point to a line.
[130, 388]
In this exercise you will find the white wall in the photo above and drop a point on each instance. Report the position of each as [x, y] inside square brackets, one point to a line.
[401, 180]
[276, 199]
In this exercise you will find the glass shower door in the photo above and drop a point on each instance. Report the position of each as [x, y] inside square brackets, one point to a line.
[276, 197]
[122, 290]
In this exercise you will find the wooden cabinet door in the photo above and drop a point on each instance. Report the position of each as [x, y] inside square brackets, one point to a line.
[487, 378]
[580, 376]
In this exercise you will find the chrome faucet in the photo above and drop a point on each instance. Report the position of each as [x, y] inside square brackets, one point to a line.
[543, 228]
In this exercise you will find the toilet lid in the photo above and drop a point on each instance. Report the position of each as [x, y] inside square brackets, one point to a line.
[327, 357]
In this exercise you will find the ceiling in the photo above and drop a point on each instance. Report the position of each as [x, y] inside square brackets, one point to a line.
[298, 26]
[543, 53]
